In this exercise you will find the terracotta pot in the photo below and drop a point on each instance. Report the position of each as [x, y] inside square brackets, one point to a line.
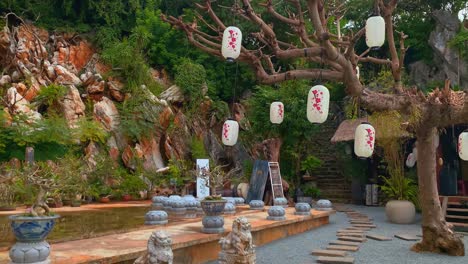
[400, 212]
[126, 197]
[104, 200]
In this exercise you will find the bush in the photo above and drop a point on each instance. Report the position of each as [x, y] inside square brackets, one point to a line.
[311, 191]
[191, 77]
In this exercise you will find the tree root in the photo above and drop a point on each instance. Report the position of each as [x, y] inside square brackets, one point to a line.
[440, 240]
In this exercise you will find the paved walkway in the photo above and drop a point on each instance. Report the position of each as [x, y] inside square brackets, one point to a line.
[297, 249]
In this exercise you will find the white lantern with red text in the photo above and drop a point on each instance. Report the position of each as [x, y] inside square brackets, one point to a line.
[230, 132]
[317, 104]
[364, 140]
[375, 31]
[276, 112]
[463, 145]
[232, 42]
[357, 72]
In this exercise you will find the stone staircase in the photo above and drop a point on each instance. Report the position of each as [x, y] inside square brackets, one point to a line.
[330, 181]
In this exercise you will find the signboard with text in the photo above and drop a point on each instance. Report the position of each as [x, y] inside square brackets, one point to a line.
[203, 168]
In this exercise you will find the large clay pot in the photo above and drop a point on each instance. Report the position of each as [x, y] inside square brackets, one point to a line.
[400, 212]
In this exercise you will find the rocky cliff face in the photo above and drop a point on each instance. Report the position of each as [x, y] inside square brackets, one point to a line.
[447, 61]
[33, 58]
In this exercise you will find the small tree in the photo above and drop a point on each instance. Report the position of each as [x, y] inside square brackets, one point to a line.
[215, 179]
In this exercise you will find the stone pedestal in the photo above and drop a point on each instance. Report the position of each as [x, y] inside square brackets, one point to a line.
[276, 213]
[324, 205]
[239, 200]
[34, 252]
[213, 224]
[156, 218]
[256, 205]
[302, 209]
[178, 206]
[281, 202]
[158, 202]
[233, 258]
[230, 208]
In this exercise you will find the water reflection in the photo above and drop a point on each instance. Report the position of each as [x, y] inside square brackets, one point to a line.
[93, 223]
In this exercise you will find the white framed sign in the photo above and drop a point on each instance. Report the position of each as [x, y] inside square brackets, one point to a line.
[203, 168]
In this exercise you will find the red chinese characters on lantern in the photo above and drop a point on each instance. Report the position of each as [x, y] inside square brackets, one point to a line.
[276, 112]
[317, 104]
[230, 132]
[231, 45]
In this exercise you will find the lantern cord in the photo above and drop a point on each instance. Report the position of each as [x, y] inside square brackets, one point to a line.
[376, 8]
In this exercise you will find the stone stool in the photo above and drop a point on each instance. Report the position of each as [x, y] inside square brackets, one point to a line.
[281, 202]
[191, 204]
[256, 205]
[158, 201]
[302, 209]
[156, 218]
[276, 213]
[324, 205]
[229, 208]
[178, 206]
[239, 200]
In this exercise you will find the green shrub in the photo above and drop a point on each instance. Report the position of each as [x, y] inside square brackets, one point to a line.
[191, 77]
[311, 191]
[90, 130]
[400, 188]
[311, 163]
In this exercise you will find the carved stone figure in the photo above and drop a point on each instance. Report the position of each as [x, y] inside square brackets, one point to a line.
[159, 249]
[237, 247]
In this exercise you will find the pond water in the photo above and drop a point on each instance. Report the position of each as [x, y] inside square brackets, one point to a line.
[92, 223]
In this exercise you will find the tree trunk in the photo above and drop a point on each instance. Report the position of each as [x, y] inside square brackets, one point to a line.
[272, 148]
[437, 236]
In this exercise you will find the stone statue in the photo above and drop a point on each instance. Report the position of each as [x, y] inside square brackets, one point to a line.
[237, 247]
[159, 249]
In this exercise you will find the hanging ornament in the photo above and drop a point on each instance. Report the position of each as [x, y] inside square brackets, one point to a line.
[364, 139]
[230, 132]
[357, 72]
[463, 145]
[232, 41]
[410, 160]
[375, 31]
[276, 112]
[317, 104]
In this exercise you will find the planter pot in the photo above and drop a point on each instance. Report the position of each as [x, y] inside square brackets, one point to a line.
[213, 221]
[104, 199]
[30, 233]
[400, 212]
[126, 197]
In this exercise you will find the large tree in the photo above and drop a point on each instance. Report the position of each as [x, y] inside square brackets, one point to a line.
[332, 56]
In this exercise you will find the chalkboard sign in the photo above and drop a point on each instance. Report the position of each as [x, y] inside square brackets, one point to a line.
[258, 180]
[275, 179]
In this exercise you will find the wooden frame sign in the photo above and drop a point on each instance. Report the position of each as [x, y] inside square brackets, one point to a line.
[275, 179]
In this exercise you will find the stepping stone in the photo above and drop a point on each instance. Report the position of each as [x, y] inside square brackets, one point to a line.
[365, 225]
[377, 237]
[350, 231]
[353, 228]
[361, 223]
[362, 228]
[408, 237]
[329, 253]
[344, 243]
[352, 239]
[349, 235]
[343, 248]
[335, 260]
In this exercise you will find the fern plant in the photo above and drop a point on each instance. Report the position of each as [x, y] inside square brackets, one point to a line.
[400, 188]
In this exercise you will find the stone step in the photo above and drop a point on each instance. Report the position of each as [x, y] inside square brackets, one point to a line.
[457, 216]
[350, 231]
[343, 248]
[365, 225]
[350, 235]
[352, 239]
[335, 260]
[378, 237]
[345, 243]
[329, 253]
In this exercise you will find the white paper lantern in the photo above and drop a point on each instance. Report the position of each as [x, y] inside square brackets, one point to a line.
[375, 31]
[317, 104]
[276, 112]
[357, 72]
[232, 43]
[230, 132]
[364, 139]
[463, 145]
[410, 160]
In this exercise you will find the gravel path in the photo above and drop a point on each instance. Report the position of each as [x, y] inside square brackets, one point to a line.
[296, 249]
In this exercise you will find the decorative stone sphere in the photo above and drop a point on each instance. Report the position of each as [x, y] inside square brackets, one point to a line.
[191, 204]
[213, 224]
[229, 208]
[158, 201]
[276, 213]
[156, 218]
[188, 197]
[175, 197]
[239, 200]
[302, 209]
[323, 205]
[281, 202]
[31, 252]
[256, 204]
[178, 206]
[229, 199]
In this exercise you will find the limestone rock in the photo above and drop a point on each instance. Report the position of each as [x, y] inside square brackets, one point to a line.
[173, 95]
[64, 76]
[115, 89]
[165, 117]
[106, 113]
[72, 106]
[113, 148]
[96, 87]
[19, 104]
[152, 159]
[91, 151]
[4, 80]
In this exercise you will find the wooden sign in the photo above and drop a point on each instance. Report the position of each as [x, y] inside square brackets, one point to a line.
[203, 167]
[275, 179]
[258, 180]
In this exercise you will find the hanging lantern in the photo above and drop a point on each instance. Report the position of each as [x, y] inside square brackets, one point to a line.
[375, 31]
[232, 41]
[410, 160]
[317, 104]
[276, 112]
[364, 139]
[463, 145]
[230, 132]
[357, 72]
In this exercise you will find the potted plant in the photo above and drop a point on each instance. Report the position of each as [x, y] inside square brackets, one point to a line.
[310, 164]
[32, 228]
[213, 205]
[310, 193]
[403, 195]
